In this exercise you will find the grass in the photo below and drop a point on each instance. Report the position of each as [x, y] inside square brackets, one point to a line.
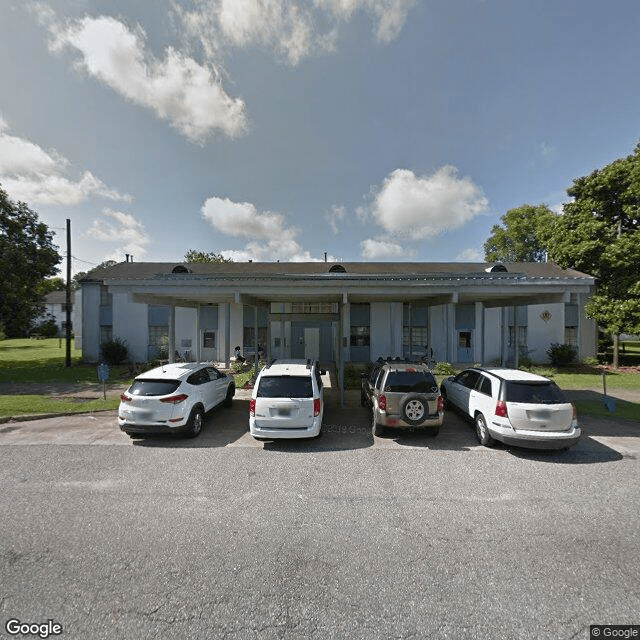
[44, 361]
[31, 405]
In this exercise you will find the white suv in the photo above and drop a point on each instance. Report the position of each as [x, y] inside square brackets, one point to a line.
[515, 407]
[287, 401]
[173, 399]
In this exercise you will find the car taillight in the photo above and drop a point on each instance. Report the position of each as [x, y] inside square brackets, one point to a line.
[125, 398]
[316, 407]
[175, 399]
[440, 403]
[252, 408]
[382, 403]
[575, 412]
[501, 409]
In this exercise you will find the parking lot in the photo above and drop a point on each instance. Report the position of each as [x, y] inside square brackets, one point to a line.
[344, 428]
[347, 536]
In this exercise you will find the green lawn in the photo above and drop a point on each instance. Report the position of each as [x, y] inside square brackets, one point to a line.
[31, 405]
[44, 361]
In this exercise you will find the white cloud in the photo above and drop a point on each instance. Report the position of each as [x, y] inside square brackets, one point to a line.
[470, 255]
[337, 215]
[289, 28]
[177, 88]
[123, 229]
[31, 174]
[419, 207]
[270, 238]
[372, 249]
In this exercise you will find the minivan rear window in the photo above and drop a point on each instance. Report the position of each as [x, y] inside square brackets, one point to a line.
[153, 387]
[534, 393]
[410, 381]
[285, 387]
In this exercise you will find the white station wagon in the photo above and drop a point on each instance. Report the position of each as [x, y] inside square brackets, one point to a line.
[174, 399]
[513, 406]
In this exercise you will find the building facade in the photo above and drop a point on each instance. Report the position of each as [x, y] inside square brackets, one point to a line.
[345, 312]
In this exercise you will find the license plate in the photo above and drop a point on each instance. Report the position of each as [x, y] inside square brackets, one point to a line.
[284, 411]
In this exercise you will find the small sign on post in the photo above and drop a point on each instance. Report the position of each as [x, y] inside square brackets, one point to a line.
[103, 376]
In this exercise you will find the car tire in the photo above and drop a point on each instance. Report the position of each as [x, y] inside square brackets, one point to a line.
[196, 422]
[414, 409]
[482, 432]
[376, 428]
[228, 401]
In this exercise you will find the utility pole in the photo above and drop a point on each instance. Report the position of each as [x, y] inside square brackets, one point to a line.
[67, 361]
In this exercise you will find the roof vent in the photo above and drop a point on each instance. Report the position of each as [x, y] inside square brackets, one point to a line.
[497, 268]
[337, 268]
[180, 268]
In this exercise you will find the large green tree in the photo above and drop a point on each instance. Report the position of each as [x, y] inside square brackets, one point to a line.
[519, 239]
[27, 257]
[599, 234]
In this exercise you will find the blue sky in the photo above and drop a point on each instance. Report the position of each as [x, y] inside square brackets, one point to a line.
[273, 130]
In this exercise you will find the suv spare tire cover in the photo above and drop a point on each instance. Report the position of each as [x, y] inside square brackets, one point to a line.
[410, 403]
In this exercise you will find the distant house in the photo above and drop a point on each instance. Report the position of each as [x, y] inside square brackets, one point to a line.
[55, 304]
[337, 312]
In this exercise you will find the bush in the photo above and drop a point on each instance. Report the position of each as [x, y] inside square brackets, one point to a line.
[444, 369]
[47, 329]
[114, 351]
[561, 354]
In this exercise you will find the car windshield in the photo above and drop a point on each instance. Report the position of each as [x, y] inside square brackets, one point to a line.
[534, 393]
[285, 387]
[153, 387]
[410, 381]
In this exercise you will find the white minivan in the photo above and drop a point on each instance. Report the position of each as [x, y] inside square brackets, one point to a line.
[287, 401]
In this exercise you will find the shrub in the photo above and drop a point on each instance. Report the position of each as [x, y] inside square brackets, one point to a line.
[561, 354]
[444, 369]
[591, 361]
[114, 351]
[47, 329]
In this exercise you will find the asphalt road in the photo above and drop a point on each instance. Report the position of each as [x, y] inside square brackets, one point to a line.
[406, 536]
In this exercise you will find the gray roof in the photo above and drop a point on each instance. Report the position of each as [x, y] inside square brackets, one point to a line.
[153, 270]
[58, 297]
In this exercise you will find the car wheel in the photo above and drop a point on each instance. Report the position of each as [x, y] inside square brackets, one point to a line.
[376, 428]
[484, 438]
[414, 409]
[228, 401]
[196, 422]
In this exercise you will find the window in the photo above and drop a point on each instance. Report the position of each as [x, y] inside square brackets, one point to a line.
[571, 336]
[485, 386]
[410, 382]
[106, 334]
[285, 387]
[153, 387]
[209, 340]
[199, 377]
[533, 393]
[360, 336]
[106, 299]
[158, 336]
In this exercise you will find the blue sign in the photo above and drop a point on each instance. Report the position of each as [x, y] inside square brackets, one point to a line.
[103, 372]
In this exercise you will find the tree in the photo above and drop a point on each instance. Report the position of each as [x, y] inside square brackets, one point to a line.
[521, 237]
[27, 257]
[50, 284]
[201, 256]
[599, 234]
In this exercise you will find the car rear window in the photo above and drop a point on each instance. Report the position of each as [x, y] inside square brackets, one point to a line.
[534, 393]
[285, 387]
[410, 381]
[153, 387]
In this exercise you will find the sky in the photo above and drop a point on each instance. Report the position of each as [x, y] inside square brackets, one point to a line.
[366, 130]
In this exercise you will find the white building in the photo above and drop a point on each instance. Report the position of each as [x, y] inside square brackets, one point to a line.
[55, 307]
[342, 312]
